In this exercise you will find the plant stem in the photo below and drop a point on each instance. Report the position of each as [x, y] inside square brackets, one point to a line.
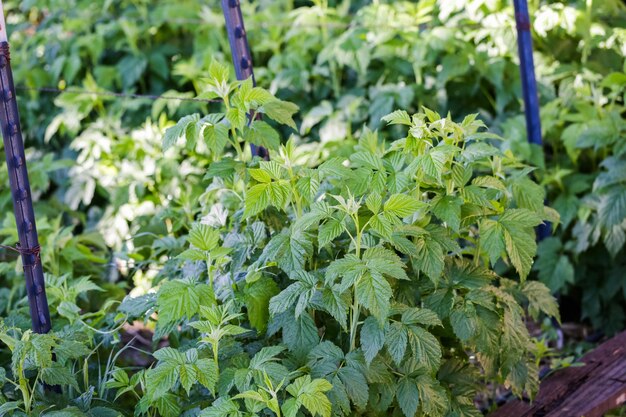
[215, 352]
[354, 313]
[209, 271]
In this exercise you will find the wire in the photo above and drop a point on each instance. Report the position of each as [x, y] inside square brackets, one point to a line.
[133, 96]
[251, 25]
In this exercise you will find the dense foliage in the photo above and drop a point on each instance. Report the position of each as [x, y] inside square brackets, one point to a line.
[364, 268]
[346, 65]
[356, 284]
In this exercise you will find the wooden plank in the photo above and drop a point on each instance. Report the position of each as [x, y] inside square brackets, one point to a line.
[587, 391]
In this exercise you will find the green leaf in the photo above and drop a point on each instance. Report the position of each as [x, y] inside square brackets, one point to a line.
[372, 338]
[9, 406]
[492, 239]
[257, 199]
[433, 396]
[408, 396]
[237, 117]
[329, 231]
[612, 208]
[260, 175]
[281, 111]
[540, 299]
[182, 298]
[58, 375]
[528, 194]
[203, 237]
[519, 238]
[422, 316]
[384, 262]
[373, 202]
[257, 297]
[433, 163]
[262, 134]
[554, 266]
[463, 322]
[374, 293]
[286, 298]
[396, 338]
[310, 393]
[221, 407]
[398, 117]
[299, 334]
[425, 347]
[430, 259]
[448, 209]
[215, 137]
[174, 133]
[218, 73]
[402, 205]
[207, 373]
[289, 249]
[336, 304]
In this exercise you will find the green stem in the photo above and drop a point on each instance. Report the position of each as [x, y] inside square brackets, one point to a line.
[25, 389]
[215, 352]
[354, 313]
[209, 271]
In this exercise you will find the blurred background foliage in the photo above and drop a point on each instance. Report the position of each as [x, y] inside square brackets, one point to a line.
[109, 200]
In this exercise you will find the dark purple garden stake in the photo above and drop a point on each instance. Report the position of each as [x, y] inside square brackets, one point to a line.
[242, 59]
[529, 85]
[527, 72]
[28, 245]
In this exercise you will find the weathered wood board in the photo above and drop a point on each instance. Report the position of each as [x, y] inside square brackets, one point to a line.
[587, 391]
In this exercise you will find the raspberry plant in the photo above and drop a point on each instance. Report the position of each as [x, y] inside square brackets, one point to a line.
[368, 284]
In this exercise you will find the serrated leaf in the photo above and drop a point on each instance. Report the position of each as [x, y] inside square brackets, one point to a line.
[289, 249]
[257, 199]
[374, 293]
[430, 259]
[540, 299]
[398, 117]
[262, 134]
[425, 347]
[396, 338]
[174, 133]
[58, 375]
[408, 396]
[207, 373]
[402, 205]
[448, 209]
[257, 296]
[336, 305]
[281, 111]
[492, 239]
[329, 231]
[433, 396]
[373, 202]
[372, 338]
[519, 238]
[310, 393]
[215, 137]
[181, 298]
[203, 237]
[421, 316]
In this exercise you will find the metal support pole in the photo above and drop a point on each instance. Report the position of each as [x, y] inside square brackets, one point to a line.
[20, 190]
[529, 85]
[242, 59]
[527, 72]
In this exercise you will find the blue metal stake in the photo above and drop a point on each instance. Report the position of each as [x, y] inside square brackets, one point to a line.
[28, 246]
[527, 72]
[242, 59]
[529, 85]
